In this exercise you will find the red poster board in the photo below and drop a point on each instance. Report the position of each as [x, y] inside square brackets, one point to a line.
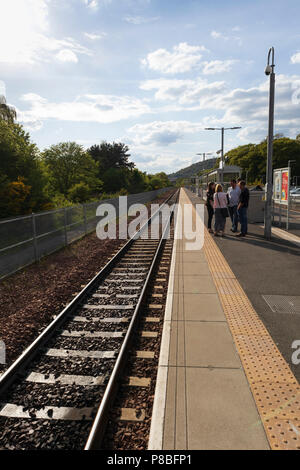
[285, 186]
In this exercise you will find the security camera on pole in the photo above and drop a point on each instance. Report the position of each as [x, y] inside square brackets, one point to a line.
[269, 71]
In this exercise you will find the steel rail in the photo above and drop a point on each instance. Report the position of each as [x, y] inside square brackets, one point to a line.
[16, 369]
[97, 431]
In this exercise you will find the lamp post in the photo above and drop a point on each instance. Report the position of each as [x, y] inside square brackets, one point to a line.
[204, 155]
[269, 190]
[222, 129]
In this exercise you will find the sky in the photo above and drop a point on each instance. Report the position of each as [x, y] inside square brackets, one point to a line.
[150, 73]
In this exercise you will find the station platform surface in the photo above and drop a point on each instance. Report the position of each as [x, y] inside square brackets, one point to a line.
[222, 382]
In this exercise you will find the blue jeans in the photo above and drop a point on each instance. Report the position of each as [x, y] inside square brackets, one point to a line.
[234, 217]
[242, 214]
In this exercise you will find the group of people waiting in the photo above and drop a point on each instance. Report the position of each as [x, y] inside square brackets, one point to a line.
[221, 205]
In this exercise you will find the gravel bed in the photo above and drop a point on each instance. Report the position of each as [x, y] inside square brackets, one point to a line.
[50, 434]
[108, 289]
[121, 278]
[29, 434]
[37, 396]
[30, 298]
[101, 314]
[143, 368]
[134, 436]
[126, 436]
[146, 344]
[148, 326]
[109, 301]
[96, 326]
[86, 344]
[112, 286]
[74, 366]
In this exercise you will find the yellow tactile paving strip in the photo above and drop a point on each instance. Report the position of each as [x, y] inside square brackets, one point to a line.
[274, 387]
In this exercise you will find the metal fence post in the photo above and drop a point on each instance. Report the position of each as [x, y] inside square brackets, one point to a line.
[34, 237]
[279, 215]
[65, 226]
[84, 218]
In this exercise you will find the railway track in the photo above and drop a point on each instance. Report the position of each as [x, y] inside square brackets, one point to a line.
[57, 395]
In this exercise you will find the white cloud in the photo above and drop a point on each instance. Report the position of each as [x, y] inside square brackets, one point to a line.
[26, 34]
[217, 66]
[182, 59]
[140, 19]
[295, 59]
[93, 5]
[65, 55]
[249, 108]
[218, 35]
[86, 108]
[246, 107]
[163, 133]
[184, 92]
[2, 88]
[95, 36]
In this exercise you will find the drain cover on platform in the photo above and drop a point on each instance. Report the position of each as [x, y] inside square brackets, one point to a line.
[283, 303]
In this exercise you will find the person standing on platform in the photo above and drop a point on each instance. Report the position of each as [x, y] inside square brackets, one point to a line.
[221, 211]
[210, 204]
[233, 201]
[242, 209]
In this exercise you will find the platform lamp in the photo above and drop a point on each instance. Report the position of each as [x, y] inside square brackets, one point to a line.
[204, 155]
[269, 71]
[222, 129]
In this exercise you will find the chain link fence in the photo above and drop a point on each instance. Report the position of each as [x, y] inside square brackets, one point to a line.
[27, 239]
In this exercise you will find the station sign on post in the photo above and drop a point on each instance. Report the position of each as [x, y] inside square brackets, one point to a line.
[281, 189]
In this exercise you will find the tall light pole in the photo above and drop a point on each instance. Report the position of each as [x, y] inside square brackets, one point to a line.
[269, 190]
[204, 155]
[222, 129]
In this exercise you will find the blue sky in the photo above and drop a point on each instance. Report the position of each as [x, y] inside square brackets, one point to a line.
[151, 73]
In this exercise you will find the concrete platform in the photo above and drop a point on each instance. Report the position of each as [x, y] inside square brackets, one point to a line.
[203, 399]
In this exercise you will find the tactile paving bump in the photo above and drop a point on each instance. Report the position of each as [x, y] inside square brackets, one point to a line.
[283, 434]
[274, 387]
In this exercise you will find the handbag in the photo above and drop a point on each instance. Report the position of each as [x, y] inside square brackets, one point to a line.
[224, 210]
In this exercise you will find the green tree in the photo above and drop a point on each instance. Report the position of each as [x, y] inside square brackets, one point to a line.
[7, 113]
[19, 158]
[79, 193]
[163, 178]
[67, 164]
[252, 158]
[115, 179]
[137, 181]
[14, 198]
[113, 155]
[158, 181]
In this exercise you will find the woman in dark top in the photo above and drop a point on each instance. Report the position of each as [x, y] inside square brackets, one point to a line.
[209, 203]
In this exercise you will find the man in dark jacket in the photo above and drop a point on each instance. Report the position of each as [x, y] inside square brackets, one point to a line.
[242, 209]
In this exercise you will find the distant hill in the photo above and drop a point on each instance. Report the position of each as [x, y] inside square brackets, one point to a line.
[193, 169]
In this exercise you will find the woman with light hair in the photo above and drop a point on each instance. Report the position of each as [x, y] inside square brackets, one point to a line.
[221, 211]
